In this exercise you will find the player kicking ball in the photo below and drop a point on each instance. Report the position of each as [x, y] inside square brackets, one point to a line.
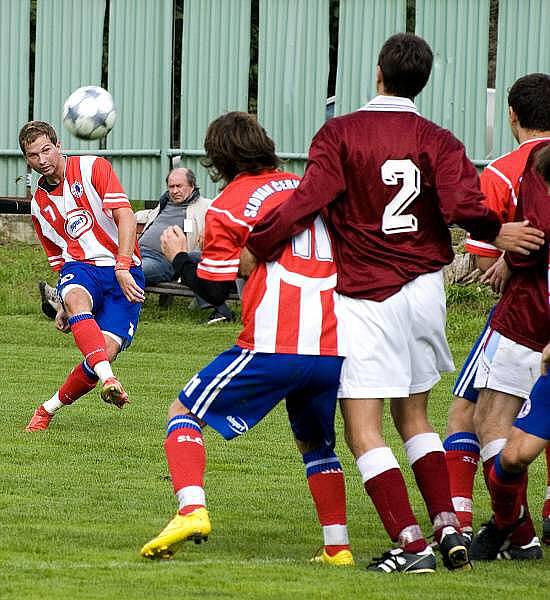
[521, 323]
[87, 228]
[290, 346]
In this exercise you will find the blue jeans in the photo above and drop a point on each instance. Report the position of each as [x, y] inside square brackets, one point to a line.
[156, 267]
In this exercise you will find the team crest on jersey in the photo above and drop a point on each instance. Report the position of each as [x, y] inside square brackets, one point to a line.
[77, 189]
[525, 409]
[78, 222]
[236, 424]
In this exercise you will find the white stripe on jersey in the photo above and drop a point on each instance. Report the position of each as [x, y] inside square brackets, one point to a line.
[211, 261]
[218, 269]
[47, 230]
[479, 244]
[220, 381]
[230, 216]
[506, 180]
[311, 309]
[116, 195]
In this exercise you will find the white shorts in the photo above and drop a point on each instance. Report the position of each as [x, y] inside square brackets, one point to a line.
[396, 347]
[506, 366]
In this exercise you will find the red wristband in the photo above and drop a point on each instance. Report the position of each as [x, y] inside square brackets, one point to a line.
[123, 263]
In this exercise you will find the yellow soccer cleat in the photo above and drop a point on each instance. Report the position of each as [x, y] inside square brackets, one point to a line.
[112, 392]
[194, 526]
[343, 558]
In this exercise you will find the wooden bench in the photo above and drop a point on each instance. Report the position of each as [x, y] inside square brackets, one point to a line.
[169, 289]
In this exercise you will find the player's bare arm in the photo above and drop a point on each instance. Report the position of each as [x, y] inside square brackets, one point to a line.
[248, 263]
[519, 237]
[126, 223]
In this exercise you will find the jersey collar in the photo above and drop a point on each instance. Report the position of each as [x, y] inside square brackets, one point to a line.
[391, 104]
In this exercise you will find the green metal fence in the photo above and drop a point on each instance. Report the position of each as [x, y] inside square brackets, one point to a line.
[133, 50]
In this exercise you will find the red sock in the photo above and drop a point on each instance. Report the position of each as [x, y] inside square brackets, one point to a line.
[462, 467]
[88, 338]
[76, 385]
[184, 448]
[329, 495]
[389, 496]
[506, 497]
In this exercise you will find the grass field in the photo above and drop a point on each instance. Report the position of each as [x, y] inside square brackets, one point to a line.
[77, 502]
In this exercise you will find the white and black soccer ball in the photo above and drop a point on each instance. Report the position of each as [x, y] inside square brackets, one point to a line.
[89, 113]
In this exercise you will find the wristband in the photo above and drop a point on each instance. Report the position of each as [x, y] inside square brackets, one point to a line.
[123, 263]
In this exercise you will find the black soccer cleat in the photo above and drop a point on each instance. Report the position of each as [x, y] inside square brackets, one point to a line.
[398, 561]
[454, 550]
[488, 541]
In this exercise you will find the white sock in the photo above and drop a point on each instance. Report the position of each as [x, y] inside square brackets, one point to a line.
[53, 404]
[103, 370]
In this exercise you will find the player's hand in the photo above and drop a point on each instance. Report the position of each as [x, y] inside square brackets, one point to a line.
[173, 241]
[248, 263]
[545, 360]
[62, 320]
[129, 287]
[497, 275]
[519, 237]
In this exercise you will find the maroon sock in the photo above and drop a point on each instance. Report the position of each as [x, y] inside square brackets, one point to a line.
[506, 497]
[389, 496]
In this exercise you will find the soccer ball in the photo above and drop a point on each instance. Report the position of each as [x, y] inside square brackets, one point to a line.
[89, 113]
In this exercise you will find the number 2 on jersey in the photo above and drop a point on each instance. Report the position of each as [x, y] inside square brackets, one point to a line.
[393, 219]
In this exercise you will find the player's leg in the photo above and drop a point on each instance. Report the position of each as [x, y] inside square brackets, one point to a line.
[505, 376]
[186, 458]
[231, 394]
[311, 411]
[461, 443]
[371, 372]
[76, 291]
[384, 483]
[79, 382]
[427, 459]
[118, 320]
[508, 477]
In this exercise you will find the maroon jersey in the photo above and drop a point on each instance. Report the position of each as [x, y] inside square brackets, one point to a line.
[393, 182]
[523, 313]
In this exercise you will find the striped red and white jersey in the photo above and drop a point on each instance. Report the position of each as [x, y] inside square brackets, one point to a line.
[74, 220]
[500, 185]
[288, 305]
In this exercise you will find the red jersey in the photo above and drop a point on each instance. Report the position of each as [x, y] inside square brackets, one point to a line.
[73, 219]
[500, 185]
[522, 313]
[288, 304]
[393, 182]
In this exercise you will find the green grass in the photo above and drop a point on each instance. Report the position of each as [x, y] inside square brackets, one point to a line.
[77, 502]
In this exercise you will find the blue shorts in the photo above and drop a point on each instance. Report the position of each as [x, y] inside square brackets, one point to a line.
[112, 311]
[534, 416]
[239, 388]
[464, 384]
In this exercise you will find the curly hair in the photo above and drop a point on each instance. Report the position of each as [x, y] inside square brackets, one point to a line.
[529, 98]
[236, 143]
